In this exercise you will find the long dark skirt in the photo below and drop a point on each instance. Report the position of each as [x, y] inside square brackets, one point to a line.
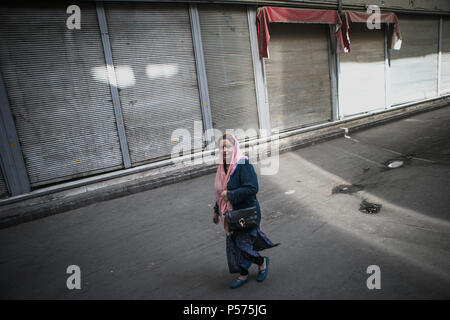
[243, 247]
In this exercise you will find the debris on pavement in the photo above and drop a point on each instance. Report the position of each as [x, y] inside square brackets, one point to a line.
[368, 207]
[347, 188]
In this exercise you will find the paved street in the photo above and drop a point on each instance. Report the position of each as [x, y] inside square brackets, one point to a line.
[162, 244]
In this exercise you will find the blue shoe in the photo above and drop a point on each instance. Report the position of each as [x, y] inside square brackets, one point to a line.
[262, 274]
[238, 282]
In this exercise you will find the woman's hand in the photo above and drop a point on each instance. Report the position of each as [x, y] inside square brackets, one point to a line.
[224, 195]
[216, 218]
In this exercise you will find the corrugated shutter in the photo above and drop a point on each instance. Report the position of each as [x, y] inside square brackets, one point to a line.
[298, 80]
[155, 65]
[54, 78]
[445, 56]
[414, 67]
[3, 189]
[362, 81]
[229, 67]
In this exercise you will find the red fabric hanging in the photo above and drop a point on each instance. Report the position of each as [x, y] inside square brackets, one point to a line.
[395, 36]
[266, 15]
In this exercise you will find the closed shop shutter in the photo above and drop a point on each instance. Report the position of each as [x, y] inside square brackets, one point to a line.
[362, 70]
[414, 67]
[3, 189]
[298, 80]
[61, 105]
[229, 67]
[154, 60]
[445, 56]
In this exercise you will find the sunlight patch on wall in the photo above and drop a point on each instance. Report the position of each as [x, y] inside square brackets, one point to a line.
[156, 71]
[124, 75]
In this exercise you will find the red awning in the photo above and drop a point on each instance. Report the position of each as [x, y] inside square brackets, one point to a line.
[268, 15]
[395, 37]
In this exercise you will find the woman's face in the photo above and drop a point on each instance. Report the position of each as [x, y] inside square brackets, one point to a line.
[227, 148]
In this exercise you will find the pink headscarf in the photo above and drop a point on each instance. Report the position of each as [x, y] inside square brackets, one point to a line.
[221, 180]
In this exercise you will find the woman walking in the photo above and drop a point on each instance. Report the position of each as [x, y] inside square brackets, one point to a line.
[235, 186]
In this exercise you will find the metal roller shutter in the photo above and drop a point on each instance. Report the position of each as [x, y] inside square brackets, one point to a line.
[154, 60]
[3, 188]
[298, 80]
[414, 67]
[62, 108]
[362, 78]
[229, 67]
[445, 56]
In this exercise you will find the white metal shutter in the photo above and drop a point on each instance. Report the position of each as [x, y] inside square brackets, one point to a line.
[229, 67]
[62, 107]
[445, 56]
[298, 77]
[414, 66]
[362, 78]
[154, 60]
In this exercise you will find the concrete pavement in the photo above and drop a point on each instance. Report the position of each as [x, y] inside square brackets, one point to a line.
[162, 244]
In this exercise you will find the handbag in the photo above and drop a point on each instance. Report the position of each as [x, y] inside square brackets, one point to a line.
[242, 219]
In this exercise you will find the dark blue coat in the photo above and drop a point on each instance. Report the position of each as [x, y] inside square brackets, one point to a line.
[243, 187]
